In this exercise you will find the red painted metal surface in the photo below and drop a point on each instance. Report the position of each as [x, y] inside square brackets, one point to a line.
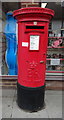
[32, 22]
[56, 37]
[55, 71]
[56, 47]
[53, 58]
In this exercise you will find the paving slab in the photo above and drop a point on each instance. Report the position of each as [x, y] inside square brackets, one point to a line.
[19, 113]
[54, 92]
[53, 108]
[7, 104]
[8, 92]
[0, 108]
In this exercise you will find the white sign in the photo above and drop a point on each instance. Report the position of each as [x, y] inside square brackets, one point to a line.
[55, 61]
[34, 42]
[25, 44]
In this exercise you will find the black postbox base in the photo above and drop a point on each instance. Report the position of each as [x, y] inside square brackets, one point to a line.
[30, 99]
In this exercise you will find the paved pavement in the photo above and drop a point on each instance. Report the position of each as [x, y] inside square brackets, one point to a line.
[53, 108]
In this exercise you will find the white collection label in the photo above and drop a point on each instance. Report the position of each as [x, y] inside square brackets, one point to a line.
[25, 44]
[34, 42]
[55, 61]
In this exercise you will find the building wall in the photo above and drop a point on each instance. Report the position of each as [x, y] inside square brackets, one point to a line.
[2, 39]
[56, 26]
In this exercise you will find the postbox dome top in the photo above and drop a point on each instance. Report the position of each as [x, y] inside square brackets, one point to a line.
[32, 12]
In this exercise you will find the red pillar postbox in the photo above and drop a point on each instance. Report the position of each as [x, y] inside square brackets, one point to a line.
[32, 46]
